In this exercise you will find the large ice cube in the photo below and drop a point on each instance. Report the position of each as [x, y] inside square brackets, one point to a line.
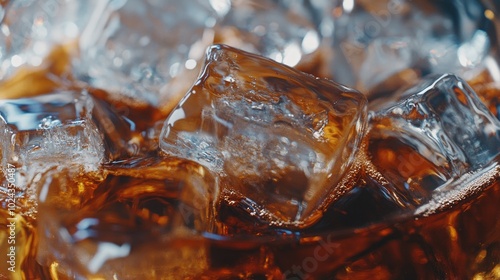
[40, 133]
[145, 49]
[64, 127]
[414, 38]
[284, 31]
[49, 130]
[30, 29]
[432, 134]
[143, 220]
[281, 140]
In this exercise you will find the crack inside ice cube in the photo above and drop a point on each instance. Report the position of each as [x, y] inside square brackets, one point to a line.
[280, 140]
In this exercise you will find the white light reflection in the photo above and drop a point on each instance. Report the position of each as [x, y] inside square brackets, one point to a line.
[190, 64]
[107, 251]
[493, 68]
[82, 233]
[16, 60]
[71, 30]
[348, 5]
[176, 115]
[310, 42]
[473, 52]
[221, 6]
[5, 29]
[292, 55]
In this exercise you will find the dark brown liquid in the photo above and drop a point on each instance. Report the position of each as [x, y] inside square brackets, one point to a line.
[460, 243]
[367, 234]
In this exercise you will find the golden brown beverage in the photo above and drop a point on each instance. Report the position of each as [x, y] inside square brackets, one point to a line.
[459, 242]
[151, 201]
[260, 171]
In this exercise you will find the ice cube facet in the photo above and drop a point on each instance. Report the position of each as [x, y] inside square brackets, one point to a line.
[431, 134]
[281, 140]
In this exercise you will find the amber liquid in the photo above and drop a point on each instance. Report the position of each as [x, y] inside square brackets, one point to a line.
[367, 234]
[462, 242]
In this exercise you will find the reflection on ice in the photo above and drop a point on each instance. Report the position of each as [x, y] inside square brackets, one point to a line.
[281, 140]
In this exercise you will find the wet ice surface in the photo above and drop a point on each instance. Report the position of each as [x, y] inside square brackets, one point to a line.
[63, 128]
[116, 227]
[142, 46]
[50, 130]
[38, 134]
[417, 37]
[44, 24]
[281, 140]
[147, 50]
[284, 31]
[430, 135]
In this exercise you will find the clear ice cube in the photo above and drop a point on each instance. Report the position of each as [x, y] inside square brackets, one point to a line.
[281, 30]
[281, 140]
[63, 127]
[115, 228]
[38, 134]
[31, 29]
[422, 36]
[430, 135]
[146, 49]
[49, 130]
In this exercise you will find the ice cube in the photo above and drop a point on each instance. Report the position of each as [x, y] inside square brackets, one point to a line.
[281, 140]
[47, 130]
[69, 127]
[281, 30]
[145, 49]
[114, 230]
[40, 133]
[31, 29]
[430, 135]
[424, 36]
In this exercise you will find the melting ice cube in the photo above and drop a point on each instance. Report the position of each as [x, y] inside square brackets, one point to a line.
[145, 49]
[30, 29]
[281, 30]
[432, 134]
[281, 140]
[411, 38]
[50, 130]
